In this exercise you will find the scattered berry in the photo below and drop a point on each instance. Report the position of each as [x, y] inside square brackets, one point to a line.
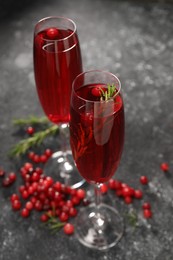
[30, 130]
[144, 180]
[146, 205]
[68, 229]
[164, 167]
[147, 213]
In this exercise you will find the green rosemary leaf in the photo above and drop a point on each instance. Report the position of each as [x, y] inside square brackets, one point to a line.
[35, 140]
[31, 120]
[106, 95]
[132, 218]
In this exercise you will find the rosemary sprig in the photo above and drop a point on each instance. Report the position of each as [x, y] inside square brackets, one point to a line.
[31, 120]
[54, 224]
[35, 140]
[132, 218]
[110, 92]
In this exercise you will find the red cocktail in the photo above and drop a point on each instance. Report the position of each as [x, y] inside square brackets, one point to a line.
[97, 138]
[57, 61]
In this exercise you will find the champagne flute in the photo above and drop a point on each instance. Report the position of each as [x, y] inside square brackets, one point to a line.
[57, 61]
[97, 138]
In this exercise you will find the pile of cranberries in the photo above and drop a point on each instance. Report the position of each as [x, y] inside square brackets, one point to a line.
[53, 199]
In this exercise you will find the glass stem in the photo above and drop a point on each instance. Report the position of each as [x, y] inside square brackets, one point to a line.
[64, 137]
[97, 196]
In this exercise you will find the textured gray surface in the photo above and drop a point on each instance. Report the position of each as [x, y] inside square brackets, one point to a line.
[133, 39]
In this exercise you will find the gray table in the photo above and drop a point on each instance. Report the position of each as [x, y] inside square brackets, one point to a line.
[133, 39]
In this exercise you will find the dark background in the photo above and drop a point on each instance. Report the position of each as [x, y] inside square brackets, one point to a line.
[134, 40]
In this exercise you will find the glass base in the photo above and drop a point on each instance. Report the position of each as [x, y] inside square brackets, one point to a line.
[99, 229]
[63, 169]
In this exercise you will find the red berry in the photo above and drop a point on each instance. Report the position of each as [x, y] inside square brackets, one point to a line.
[146, 205]
[6, 182]
[63, 217]
[144, 180]
[111, 184]
[25, 213]
[14, 197]
[36, 158]
[68, 229]
[44, 217]
[48, 152]
[38, 205]
[138, 194]
[2, 172]
[29, 205]
[57, 186]
[35, 177]
[43, 158]
[72, 212]
[25, 194]
[81, 193]
[16, 204]
[28, 166]
[30, 130]
[128, 200]
[164, 167]
[31, 155]
[96, 91]
[12, 177]
[147, 213]
[126, 191]
[52, 33]
[103, 188]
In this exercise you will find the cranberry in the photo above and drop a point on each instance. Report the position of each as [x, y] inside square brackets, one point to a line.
[126, 192]
[80, 194]
[63, 217]
[25, 194]
[2, 172]
[138, 194]
[38, 205]
[44, 217]
[31, 155]
[144, 180]
[52, 33]
[75, 200]
[68, 229]
[14, 197]
[43, 158]
[57, 186]
[103, 188]
[119, 192]
[72, 212]
[25, 213]
[6, 182]
[128, 200]
[30, 130]
[146, 205]
[35, 177]
[16, 204]
[96, 91]
[48, 152]
[164, 167]
[111, 184]
[29, 205]
[36, 158]
[28, 166]
[147, 213]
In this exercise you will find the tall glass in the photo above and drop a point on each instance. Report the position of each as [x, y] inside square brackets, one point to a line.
[97, 138]
[57, 61]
